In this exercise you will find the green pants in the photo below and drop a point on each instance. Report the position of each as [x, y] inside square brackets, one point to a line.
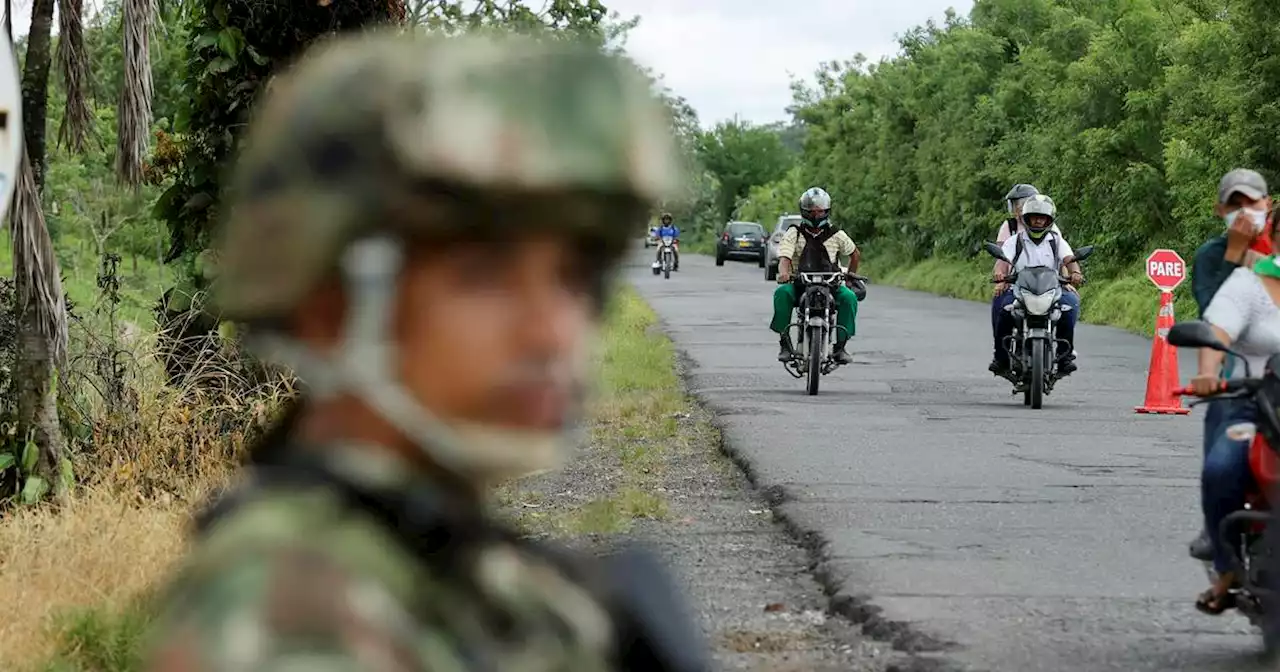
[784, 304]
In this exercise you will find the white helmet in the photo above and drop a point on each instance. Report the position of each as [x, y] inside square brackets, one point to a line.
[815, 207]
[1039, 204]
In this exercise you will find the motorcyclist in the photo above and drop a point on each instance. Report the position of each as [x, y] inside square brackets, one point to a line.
[1245, 205]
[1013, 201]
[815, 227]
[669, 229]
[1036, 244]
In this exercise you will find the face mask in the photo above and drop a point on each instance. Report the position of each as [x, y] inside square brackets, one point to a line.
[1257, 217]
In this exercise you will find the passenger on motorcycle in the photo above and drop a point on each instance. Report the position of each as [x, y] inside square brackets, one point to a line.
[1244, 203]
[1036, 244]
[1245, 314]
[669, 229]
[814, 235]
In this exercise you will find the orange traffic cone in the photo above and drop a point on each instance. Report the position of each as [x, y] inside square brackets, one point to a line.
[1162, 374]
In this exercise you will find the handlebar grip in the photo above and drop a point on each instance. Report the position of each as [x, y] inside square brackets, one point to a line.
[1224, 387]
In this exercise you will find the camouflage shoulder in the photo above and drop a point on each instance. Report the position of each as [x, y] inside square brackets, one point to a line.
[294, 578]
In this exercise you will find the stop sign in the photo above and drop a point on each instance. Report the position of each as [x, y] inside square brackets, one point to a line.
[1166, 269]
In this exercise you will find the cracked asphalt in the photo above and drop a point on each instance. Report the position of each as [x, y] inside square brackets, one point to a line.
[949, 520]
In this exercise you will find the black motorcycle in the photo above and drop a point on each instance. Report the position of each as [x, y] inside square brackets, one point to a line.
[816, 324]
[1034, 345]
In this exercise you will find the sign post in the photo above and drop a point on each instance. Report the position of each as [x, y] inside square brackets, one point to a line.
[1166, 270]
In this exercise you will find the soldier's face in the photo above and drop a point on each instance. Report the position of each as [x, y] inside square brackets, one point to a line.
[498, 334]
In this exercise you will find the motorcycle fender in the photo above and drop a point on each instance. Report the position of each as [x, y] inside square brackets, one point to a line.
[817, 322]
[1038, 332]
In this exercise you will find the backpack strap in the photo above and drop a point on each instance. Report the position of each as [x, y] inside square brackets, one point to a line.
[1017, 252]
[651, 629]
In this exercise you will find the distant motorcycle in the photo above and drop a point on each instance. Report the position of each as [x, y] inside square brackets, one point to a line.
[1256, 596]
[1033, 347]
[816, 324]
[667, 257]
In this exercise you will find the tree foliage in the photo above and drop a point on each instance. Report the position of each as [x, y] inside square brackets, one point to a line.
[1127, 112]
[741, 156]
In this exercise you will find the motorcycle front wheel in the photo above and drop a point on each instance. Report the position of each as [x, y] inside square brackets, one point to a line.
[817, 340]
[1035, 387]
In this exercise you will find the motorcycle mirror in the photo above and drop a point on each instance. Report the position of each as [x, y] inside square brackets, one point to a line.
[1084, 252]
[10, 125]
[1195, 334]
[995, 251]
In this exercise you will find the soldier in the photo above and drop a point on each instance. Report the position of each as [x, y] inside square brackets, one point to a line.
[423, 229]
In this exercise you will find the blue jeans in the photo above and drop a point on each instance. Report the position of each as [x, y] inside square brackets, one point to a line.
[1226, 478]
[1002, 322]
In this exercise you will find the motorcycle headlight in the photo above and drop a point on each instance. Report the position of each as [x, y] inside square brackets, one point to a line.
[1039, 304]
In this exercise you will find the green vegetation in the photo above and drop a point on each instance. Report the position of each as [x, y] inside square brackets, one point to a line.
[1127, 112]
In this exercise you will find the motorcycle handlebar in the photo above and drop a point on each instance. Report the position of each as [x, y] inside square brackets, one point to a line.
[1225, 387]
[1014, 276]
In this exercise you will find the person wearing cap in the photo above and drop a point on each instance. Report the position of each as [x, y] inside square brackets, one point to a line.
[1245, 315]
[1244, 203]
[423, 228]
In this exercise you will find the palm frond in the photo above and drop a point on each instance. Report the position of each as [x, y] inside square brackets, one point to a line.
[135, 98]
[73, 61]
[37, 279]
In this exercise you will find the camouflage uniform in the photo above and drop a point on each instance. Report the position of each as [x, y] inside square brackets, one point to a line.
[344, 558]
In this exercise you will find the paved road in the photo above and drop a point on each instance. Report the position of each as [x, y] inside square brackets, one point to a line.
[1029, 540]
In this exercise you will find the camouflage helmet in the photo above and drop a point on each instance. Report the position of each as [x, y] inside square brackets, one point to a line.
[438, 138]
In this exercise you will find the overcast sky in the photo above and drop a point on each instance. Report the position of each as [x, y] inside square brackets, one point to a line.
[730, 57]
[738, 56]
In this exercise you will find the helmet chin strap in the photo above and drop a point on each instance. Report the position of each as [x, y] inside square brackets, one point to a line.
[364, 366]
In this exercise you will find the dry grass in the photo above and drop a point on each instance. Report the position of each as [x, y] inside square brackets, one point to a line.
[142, 463]
[98, 550]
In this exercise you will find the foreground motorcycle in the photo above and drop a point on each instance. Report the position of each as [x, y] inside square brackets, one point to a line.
[1243, 531]
[1034, 345]
[668, 257]
[816, 324]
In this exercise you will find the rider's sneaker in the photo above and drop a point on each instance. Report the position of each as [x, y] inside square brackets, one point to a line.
[785, 351]
[1067, 366]
[841, 356]
[1201, 548]
[998, 367]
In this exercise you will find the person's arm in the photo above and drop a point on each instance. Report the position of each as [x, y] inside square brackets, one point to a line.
[1001, 268]
[786, 250]
[849, 249]
[287, 611]
[1240, 236]
[1228, 313]
[1069, 262]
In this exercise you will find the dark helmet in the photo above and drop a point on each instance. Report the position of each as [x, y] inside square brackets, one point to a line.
[666, 218]
[1018, 193]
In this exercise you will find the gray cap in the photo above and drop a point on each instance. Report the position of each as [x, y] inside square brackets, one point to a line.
[1243, 180]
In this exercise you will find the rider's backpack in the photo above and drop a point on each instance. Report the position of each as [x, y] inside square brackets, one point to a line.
[814, 258]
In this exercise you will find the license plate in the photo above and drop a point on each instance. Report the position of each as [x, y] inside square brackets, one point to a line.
[744, 243]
